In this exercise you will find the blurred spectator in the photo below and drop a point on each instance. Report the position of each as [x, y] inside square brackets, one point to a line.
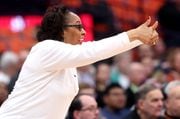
[169, 17]
[9, 63]
[115, 101]
[149, 65]
[3, 92]
[4, 78]
[86, 89]
[120, 69]
[22, 56]
[137, 75]
[159, 50]
[102, 78]
[174, 61]
[83, 107]
[86, 75]
[145, 51]
[149, 103]
[172, 102]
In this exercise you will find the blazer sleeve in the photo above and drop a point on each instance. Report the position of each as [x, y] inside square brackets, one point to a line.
[55, 55]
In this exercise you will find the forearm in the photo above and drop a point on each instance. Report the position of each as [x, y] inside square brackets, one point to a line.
[60, 55]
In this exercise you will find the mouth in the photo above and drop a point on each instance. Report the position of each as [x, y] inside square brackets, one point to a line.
[81, 39]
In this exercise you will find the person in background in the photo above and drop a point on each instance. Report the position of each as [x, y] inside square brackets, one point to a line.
[102, 78]
[115, 102]
[48, 80]
[172, 101]
[149, 103]
[83, 107]
[174, 64]
[86, 89]
[9, 64]
[86, 75]
[120, 69]
[135, 81]
[22, 57]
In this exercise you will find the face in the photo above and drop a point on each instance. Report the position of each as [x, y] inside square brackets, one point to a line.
[148, 65]
[116, 98]
[152, 104]
[173, 102]
[145, 51]
[89, 109]
[103, 73]
[137, 68]
[74, 32]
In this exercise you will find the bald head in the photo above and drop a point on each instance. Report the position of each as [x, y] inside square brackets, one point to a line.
[87, 100]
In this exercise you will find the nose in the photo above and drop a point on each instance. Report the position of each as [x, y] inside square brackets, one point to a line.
[161, 103]
[83, 32]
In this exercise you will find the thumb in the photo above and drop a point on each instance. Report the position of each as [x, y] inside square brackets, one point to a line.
[155, 25]
[148, 21]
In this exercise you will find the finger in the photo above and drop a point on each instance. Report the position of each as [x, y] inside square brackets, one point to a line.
[155, 34]
[148, 21]
[154, 40]
[155, 25]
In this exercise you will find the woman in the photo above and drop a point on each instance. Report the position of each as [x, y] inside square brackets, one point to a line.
[48, 79]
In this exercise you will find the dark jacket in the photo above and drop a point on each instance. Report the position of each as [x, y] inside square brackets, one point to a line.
[170, 117]
[134, 115]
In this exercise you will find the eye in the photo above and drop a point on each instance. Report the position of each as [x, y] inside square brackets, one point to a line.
[80, 27]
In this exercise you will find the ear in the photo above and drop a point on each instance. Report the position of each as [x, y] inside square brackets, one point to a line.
[76, 114]
[140, 104]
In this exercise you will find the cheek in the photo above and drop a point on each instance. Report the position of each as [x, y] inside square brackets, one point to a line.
[151, 107]
[86, 115]
[76, 37]
[175, 104]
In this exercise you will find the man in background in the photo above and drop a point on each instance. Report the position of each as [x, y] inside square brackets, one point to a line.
[149, 103]
[83, 107]
[172, 102]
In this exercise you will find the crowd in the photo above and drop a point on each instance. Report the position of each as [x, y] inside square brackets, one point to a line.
[143, 83]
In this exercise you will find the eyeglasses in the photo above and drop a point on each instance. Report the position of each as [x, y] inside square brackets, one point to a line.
[78, 26]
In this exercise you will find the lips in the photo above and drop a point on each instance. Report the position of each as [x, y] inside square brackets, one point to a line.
[81, 39]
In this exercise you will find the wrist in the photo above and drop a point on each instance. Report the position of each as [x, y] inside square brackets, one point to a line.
[132, 34]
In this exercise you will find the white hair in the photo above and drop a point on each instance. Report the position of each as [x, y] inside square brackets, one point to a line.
[171, 85]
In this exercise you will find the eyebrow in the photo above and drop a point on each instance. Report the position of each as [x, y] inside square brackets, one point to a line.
[78, 22]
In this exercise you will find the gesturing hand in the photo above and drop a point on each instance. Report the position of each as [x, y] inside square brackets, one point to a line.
[146, 33]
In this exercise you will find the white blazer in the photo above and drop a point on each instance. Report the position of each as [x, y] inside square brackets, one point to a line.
[48, 80]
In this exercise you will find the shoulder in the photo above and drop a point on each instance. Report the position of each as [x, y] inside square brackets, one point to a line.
[132, 115]
[49, 45]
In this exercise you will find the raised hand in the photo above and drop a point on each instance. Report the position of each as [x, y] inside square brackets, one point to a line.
[146, 33]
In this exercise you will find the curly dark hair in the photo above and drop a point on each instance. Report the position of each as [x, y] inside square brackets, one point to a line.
[53, 22]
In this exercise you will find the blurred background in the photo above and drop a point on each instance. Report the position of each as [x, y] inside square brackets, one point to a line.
[160, 64]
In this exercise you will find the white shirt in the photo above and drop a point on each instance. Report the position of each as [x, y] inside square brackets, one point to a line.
[48, 80]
